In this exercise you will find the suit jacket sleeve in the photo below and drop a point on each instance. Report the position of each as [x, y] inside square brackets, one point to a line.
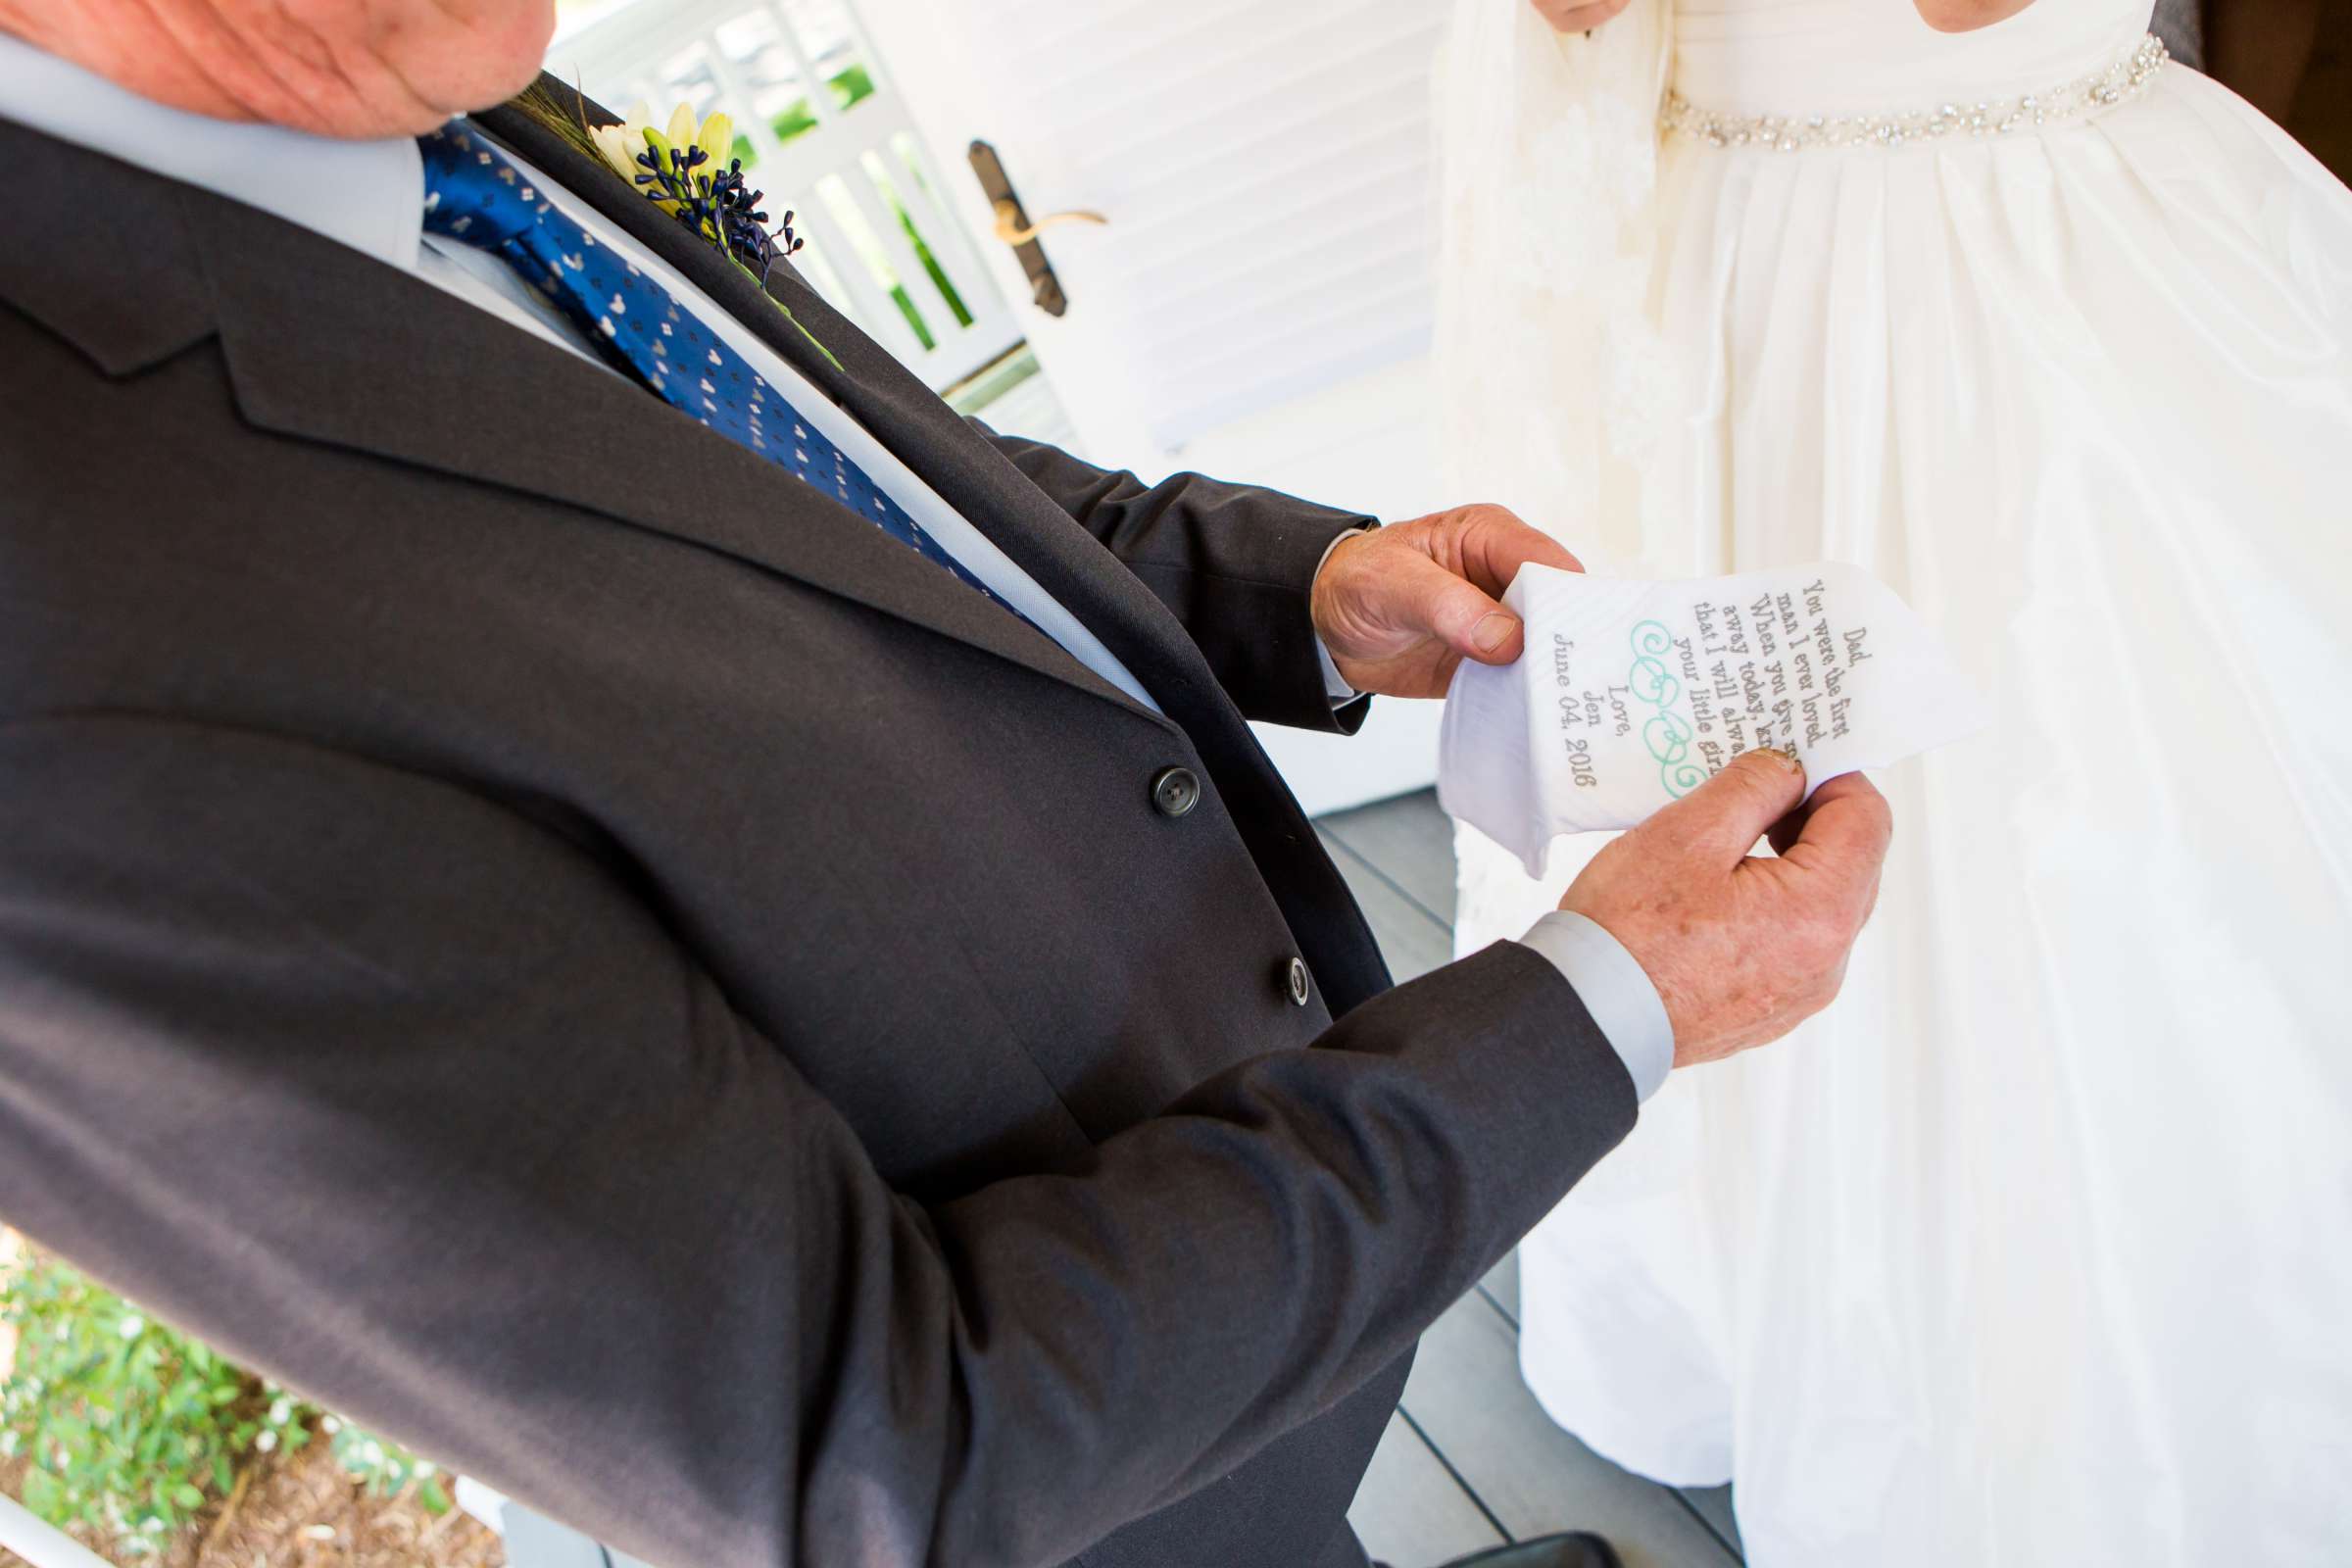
[1233, 561]
[409, 1094]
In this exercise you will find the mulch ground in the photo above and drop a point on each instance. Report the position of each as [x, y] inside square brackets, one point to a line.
[301, 1511]
[293, 1511]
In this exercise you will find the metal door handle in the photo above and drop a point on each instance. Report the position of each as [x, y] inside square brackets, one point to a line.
[1016, 230]
[1013, 231]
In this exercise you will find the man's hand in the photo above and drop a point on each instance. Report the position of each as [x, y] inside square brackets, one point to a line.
[1743, 948]
[1400, 607]
[1578, 16]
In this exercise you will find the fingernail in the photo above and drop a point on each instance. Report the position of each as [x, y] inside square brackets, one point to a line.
[1492, 630]
[1786, 756]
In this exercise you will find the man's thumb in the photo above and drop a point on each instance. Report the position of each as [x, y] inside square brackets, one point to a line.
[1459, 611]
[1722, 819]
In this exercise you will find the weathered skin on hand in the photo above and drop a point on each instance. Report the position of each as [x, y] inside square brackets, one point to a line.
[1402, 607]
[1743, 947]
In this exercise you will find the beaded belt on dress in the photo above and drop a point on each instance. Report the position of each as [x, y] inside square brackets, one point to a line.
[2086, 95]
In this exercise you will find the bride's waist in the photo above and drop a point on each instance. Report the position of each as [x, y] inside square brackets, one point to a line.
[1961, 107]
[1823, 57]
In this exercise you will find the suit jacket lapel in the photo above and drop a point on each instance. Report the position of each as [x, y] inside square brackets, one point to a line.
[330, 345]
[973, 475]
[903, 413]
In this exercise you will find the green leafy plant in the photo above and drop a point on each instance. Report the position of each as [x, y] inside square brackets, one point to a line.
[850, 88]
[131, 1428]
[383, 1468]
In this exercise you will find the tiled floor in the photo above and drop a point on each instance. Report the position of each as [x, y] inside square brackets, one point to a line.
[1471, 1460]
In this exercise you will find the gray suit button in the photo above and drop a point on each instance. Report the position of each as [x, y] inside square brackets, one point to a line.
[1175, 791]
[1294, 978]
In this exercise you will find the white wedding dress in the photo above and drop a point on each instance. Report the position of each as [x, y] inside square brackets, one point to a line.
[2036, 1249]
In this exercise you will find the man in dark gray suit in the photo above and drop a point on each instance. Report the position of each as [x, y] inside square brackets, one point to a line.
[529, 911]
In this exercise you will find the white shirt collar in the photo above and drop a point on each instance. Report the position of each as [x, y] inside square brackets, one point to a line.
[368, 195]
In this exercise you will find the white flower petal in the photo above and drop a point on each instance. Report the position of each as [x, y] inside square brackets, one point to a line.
[619, 147]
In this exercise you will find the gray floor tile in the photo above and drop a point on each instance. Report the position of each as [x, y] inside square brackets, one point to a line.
[1501, 1285]
[534, 1541]
[1467, 1397]
[1411, 939]
[1409, 1512]
[1398, 858]
[1714, 1505]
[1411, 843]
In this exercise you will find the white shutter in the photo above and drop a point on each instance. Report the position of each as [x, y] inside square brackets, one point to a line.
[1266, 168]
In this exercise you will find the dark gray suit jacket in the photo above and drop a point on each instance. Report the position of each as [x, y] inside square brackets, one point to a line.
[563, 942]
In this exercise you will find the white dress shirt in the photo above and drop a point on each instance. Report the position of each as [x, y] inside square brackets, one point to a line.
[369, 195]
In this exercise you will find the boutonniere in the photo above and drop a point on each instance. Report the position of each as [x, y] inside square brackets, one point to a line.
[689, 172]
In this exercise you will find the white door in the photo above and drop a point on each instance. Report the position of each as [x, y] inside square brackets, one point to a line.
[1258, 306]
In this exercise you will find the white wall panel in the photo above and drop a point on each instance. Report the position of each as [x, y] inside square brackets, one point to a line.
[1266, 168]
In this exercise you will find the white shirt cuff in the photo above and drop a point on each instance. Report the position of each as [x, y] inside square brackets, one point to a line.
[1615, 990]
[1335, 685]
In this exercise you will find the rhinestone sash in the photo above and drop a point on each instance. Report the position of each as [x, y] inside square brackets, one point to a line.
[2084, 96]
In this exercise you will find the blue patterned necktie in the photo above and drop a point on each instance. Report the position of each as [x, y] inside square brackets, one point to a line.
[475, 195]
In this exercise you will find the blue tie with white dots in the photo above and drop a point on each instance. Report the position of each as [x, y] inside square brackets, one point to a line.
[475, 195]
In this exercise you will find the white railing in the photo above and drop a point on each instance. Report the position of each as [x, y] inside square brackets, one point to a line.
[823, 131]
[40, 1545]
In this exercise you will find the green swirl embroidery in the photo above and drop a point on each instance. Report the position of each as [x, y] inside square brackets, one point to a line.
[1666, 733]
